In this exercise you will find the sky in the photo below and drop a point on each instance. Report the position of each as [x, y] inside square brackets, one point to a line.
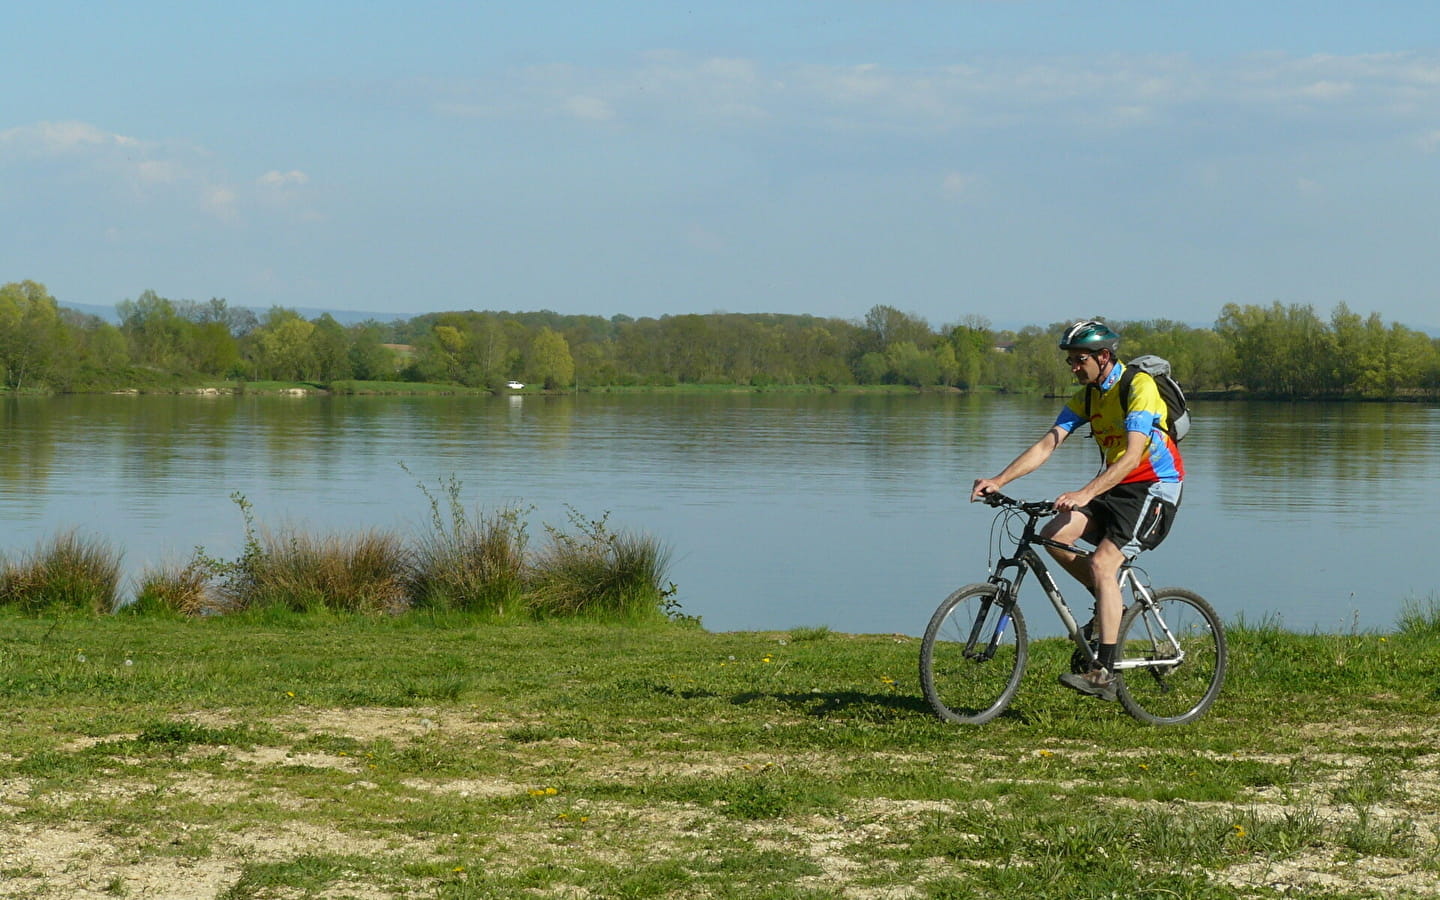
[1023, 161]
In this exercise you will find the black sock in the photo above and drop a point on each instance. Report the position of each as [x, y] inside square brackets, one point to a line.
[1107, 657]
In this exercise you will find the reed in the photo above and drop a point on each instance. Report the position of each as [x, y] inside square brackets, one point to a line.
[469, 561]
[175, 590]
[365, 572]
[69, 572]
[594, 570]
[1421, 618]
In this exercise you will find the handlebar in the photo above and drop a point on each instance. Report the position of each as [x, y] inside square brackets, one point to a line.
[1035, 508]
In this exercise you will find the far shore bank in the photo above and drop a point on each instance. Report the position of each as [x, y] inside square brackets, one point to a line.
[421, 389]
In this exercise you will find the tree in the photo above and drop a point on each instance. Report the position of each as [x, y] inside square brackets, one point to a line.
[32, 334]
[282, 344]
[886, 325]
[157, 333]
[549, 360]
[330, 347]
[370, 359]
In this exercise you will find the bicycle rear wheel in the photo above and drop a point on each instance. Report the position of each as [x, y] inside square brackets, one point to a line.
[1183, 628]
[973, 655]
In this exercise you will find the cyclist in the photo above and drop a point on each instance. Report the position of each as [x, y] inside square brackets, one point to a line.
[1126, 508]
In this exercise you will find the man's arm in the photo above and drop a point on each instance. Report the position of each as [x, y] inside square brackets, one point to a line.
[1028, 461]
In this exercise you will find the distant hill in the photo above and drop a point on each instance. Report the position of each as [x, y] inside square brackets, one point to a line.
[343, 316]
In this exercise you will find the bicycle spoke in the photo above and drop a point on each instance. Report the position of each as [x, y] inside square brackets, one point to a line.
[1172, 658]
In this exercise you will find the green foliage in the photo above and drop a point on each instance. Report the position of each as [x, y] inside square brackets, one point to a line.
[69, 573]
[175, 590]
[474, 563]
[549, 361]
[1420, 618]
[596, 570]
[1269, 351]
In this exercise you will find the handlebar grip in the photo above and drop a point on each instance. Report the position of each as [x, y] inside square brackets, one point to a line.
[1033, 507]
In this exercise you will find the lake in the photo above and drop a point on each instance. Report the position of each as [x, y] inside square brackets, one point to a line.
[781, 510]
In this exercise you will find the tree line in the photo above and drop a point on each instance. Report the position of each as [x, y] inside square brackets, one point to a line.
[1279, 351]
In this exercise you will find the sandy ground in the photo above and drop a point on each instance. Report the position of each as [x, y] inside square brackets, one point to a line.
[85, 861]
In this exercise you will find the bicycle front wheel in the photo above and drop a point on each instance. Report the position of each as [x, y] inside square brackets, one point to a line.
[1172, 658]
[973, 655]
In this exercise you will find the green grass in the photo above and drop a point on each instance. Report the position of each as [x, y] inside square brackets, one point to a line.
[67, 572]
[433, 755]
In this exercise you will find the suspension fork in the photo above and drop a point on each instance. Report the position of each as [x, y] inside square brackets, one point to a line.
[1007, 594]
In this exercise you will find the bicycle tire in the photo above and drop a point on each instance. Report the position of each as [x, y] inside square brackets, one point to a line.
[1177, 694]
[966, 689]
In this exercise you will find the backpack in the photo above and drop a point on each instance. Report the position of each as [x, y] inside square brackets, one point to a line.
[1177, 410]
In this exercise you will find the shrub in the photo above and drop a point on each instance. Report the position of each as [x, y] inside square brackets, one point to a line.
[68, 573]
[599, 571]
[182, 591]
[362, 573]
[1421, 618]
[471, 562]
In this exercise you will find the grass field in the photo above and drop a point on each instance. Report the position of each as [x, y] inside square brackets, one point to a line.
[280, 755]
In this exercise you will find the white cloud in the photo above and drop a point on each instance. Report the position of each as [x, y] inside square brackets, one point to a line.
[663, 89]
[60, 138]
[958, 184]
[277, 179]
[141, 176]
[591, 109]
[220, 201]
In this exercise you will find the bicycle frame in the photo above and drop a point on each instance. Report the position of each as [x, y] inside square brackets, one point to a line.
[1027, 559]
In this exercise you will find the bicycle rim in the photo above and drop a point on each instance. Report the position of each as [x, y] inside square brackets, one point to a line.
[1171, 694]
[973, 655]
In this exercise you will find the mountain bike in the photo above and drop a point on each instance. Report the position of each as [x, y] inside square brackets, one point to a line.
[1170, 660]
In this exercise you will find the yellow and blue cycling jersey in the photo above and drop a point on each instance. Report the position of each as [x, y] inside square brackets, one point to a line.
[1110, 422]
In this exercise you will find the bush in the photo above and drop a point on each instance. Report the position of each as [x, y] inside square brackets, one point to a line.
[474, 563]
[599, 571]
[362, 573]
[70, 573]
[182, 591]
[1421, 618]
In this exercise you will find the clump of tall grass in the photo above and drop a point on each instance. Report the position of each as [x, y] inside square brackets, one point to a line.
[360, 573]
[596, 570]
[1421, 618]
[469, 562]
[70, 572]
[184, 590]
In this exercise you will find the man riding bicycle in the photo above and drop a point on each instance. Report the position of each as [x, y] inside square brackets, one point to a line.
[1126, 508]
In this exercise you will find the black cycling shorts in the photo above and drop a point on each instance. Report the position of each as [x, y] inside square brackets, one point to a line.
[1135, 516]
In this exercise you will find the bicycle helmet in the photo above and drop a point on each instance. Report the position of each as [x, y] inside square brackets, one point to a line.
[1089, 336]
